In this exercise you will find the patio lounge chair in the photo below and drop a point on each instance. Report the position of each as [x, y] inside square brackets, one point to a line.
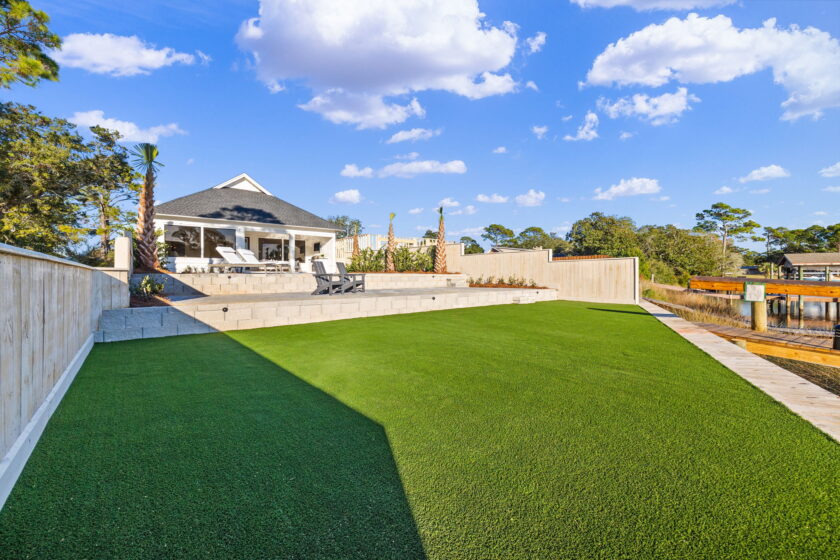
[233, 261]
[356, 281]
[249, 257]
[327, 283]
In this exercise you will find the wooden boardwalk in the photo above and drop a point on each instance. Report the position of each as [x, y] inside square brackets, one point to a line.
[814, 349]
[803, 347]
[822, 342]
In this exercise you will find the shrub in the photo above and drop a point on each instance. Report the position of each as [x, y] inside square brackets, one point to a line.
[368, 260]
[147, 287]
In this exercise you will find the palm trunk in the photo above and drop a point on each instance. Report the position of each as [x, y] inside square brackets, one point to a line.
[440, 248]
[389, 252]
[356, 244]
[146, 246]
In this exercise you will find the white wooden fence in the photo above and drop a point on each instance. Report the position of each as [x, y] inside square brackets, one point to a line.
[597, 280]
[49, 309]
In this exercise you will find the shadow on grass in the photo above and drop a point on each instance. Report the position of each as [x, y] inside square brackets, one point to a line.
[197, 447]
[620, 311]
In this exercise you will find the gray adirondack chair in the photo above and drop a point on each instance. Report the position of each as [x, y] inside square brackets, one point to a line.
[327, 283]
[354, 280]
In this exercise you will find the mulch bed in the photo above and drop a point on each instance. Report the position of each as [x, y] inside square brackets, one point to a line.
[151, 301]
[502, 285]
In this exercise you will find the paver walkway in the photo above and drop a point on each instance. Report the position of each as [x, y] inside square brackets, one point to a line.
[813, 403]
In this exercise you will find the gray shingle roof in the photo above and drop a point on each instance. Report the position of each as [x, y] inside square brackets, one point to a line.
[242, 206]
[803, 259]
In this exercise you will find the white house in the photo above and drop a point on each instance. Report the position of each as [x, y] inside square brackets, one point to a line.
[241, 213]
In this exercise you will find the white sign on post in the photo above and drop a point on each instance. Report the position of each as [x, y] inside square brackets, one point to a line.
[754, 291]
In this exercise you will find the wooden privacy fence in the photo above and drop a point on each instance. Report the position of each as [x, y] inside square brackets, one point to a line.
[49, 309]
[605, 280]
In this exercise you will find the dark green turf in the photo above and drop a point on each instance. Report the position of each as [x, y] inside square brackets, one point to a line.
[553, 430]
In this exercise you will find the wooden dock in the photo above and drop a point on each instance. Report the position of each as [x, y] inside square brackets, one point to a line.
[802, 347]
[814, 349]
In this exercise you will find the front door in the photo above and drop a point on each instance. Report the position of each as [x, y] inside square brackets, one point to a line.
[300, 251]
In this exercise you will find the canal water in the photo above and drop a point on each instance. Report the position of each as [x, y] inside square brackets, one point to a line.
[817, 314]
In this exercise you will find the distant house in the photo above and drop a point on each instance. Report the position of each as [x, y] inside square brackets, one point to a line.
[242, 213]
[811, 266]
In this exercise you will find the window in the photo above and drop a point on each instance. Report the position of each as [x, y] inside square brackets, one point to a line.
[217, 238]
[182, 241]
[274, 249]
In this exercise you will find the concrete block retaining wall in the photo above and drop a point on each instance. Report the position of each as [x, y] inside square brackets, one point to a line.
[259, 283]
[153, 322]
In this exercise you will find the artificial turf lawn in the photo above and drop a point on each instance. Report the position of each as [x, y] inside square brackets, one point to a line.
[552, 430]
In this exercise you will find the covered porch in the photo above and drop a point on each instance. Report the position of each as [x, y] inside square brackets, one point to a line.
[192, 245]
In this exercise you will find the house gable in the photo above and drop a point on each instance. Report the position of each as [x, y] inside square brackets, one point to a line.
[244, 182]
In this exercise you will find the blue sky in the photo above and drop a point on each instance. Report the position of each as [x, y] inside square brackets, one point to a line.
[699, 99]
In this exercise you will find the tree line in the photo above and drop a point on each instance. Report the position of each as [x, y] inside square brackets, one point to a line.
[668, 253]
[59, 193]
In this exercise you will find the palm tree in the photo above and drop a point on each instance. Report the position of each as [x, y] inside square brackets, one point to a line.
[389, 252]
[145, 161]
[356, 243]
[440, 247]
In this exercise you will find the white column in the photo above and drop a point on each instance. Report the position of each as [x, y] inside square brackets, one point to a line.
[292, 251]
[328, 250]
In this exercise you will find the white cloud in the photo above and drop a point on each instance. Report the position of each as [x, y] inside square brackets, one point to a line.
[765, 173]
[363, 110]
[759, 191]
[409, 156]
[530, 198]
[629, 187]
[564, 199]
[354, 55]
[352, 170]
[190, 161]
[645, 5]
[412, 135]
[274, 86]
[587, 131]
[467, 231]
[118, 55]
[416, 211]
[536, 43]
[664, 109]
[820, 213]
[531, 84]
[625, 135]
[412, 168]
[203, 58]
[832, 189]
[724, 190]
[468, 210]
[492, 199]
[662, 198]
[539, 131]
[700, 50]
[500, 150]
[831, 170]
[567, 118]
[350, 196]
[561, 229]
[130, 131]
[449, 202]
